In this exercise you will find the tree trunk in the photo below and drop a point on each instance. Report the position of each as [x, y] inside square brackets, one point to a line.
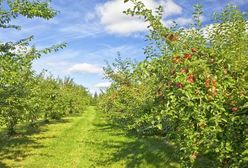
[10, 128]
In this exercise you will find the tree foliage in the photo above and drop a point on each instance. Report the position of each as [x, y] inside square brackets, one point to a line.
[192, 88]
[24, 95]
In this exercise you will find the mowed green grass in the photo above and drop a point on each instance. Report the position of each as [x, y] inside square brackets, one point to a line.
[85, 141]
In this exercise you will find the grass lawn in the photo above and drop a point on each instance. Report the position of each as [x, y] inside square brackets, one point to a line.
[83, 141]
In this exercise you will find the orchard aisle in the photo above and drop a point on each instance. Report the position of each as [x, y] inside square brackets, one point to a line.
[68, 149]
[89, 140]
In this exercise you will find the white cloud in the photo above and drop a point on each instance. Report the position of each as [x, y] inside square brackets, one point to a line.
[86, 68]
[103, 85]
[57, 64]
[170, 8]
[114, 21]
[182, 21]
[211, 28]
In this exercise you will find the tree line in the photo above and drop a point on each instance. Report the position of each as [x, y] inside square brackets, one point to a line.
[25, 96]
[191, 88]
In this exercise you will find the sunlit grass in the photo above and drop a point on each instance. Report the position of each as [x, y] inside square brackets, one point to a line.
[83, 141]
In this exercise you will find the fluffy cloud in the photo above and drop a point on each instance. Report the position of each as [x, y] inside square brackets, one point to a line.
[170, 8]
[184, 21]
[86, 68]
[114, 21]
[180, 21]
[103, 85]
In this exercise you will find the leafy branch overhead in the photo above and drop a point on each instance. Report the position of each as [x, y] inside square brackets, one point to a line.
[26, 8]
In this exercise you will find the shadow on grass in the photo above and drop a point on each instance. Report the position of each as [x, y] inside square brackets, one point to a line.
[17, 147]
[2, 165]
[144, 150]
[147, 151]
[134, 151]
[20, 146]
[62, 120]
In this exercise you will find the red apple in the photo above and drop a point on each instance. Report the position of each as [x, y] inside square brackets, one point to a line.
[207, 83]
[187, 56]
[191, 78]
[234, 109]
[179, 85]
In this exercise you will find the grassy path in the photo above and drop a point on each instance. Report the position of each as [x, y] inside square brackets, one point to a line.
[85, 141]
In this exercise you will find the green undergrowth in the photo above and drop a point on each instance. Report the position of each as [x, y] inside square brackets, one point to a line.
[89, 140]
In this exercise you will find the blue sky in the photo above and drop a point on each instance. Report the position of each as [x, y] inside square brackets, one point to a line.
[96, 30]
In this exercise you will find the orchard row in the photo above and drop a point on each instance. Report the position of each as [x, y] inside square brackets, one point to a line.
[192, 88]
[26, 97]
